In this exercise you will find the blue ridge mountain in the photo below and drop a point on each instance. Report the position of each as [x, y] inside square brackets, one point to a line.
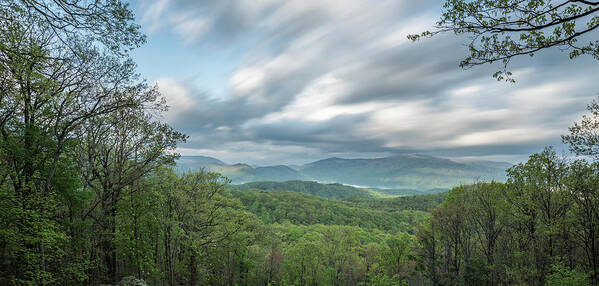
[406, 171]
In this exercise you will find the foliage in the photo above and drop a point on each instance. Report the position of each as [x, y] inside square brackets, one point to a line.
[502, 30]
[132, 281]
[328, 191]
[297, 208]
[424, 203]
[513, 233]
[583, 139]
[62, 64]
[563, 276]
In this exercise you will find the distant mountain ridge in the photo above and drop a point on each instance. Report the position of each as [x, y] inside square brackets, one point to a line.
[190, 163]
[409, 171]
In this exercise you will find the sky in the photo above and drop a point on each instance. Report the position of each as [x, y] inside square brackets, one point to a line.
[288, 82]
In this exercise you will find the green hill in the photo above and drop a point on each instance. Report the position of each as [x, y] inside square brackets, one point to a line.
[418, 203]
[329, 191]
[303, 209]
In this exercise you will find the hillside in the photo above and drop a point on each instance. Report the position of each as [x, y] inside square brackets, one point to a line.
[334, 191]
[330, 191]
[303, 209]
[418, 202]
[385, 193]
[408, 171]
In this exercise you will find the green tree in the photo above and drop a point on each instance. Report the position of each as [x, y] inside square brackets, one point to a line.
[117, 151]
[562, 276]
[583, 139]
[583, 188]
[502, 30]
[396, 255]
[303, 261]
[201, 218]
[62, 63]
[487, 211]
[536, 194]
[429, 251]
[106, 23]
[476, 272]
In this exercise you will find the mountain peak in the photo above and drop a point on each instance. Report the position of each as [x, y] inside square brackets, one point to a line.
[334, 159]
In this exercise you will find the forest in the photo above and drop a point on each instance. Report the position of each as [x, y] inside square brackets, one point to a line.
[89, 194]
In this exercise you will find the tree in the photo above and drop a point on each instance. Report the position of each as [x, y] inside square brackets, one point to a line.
[486, 207]
[456, 232]
[62, 64]
[583, 188]
[429, 256]
[502, 30]
[303, 261]
[536, 194]
[476, 272]
[117, 151]
[396, 254]
[583, 138]
[563, 276]
[200, 219]
[106, 23]
[57, 71]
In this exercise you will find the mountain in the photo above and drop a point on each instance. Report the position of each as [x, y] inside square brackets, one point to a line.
[406, 171]
[276, 173]
[190, 163]
[238, 173]
[402, 171]
[485, 163]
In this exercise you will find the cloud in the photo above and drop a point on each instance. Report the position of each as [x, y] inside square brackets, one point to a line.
[317, 78]
[153, 13]
[190, 29]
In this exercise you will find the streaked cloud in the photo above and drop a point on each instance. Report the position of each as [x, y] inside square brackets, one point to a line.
[314, 79]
